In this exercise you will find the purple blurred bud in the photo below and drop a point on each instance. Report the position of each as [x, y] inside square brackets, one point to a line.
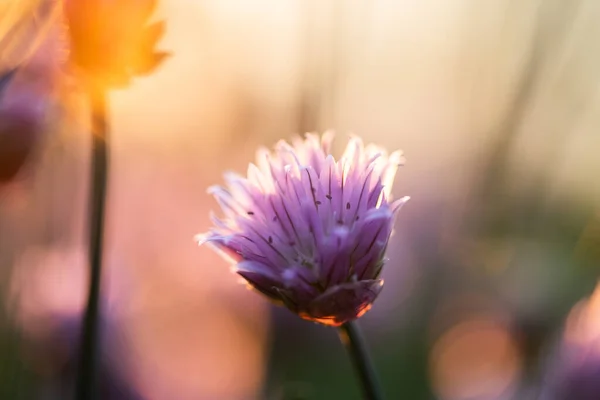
[22, 113]
[310, 232]
[46, 298]
[575, 370]
[580, 378]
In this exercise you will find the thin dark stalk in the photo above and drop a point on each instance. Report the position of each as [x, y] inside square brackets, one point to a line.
[86, 388]
[357, 348]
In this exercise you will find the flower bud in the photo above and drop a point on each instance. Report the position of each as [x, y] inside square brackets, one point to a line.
[22, 113]
[310, 232]
[574, 371]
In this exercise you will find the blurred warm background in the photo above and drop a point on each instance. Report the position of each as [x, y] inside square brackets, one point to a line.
[497, 109]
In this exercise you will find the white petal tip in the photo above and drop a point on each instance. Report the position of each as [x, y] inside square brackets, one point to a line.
[398, 204]
[213, 189]
[202, 238]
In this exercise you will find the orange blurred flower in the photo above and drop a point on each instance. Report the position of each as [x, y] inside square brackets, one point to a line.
[112, 40]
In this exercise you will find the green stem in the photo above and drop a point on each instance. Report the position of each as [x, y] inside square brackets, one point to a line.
[357, 348]
[86, 388]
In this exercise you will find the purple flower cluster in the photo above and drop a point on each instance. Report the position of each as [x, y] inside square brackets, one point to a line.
[307, 231]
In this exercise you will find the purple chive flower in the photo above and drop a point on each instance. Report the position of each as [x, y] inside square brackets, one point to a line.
[307, 231]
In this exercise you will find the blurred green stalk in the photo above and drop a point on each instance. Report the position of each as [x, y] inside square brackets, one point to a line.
[86, 388]
[355, 345]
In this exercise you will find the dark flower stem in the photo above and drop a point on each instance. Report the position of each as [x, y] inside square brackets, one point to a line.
[86, 388]
[357, 348]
